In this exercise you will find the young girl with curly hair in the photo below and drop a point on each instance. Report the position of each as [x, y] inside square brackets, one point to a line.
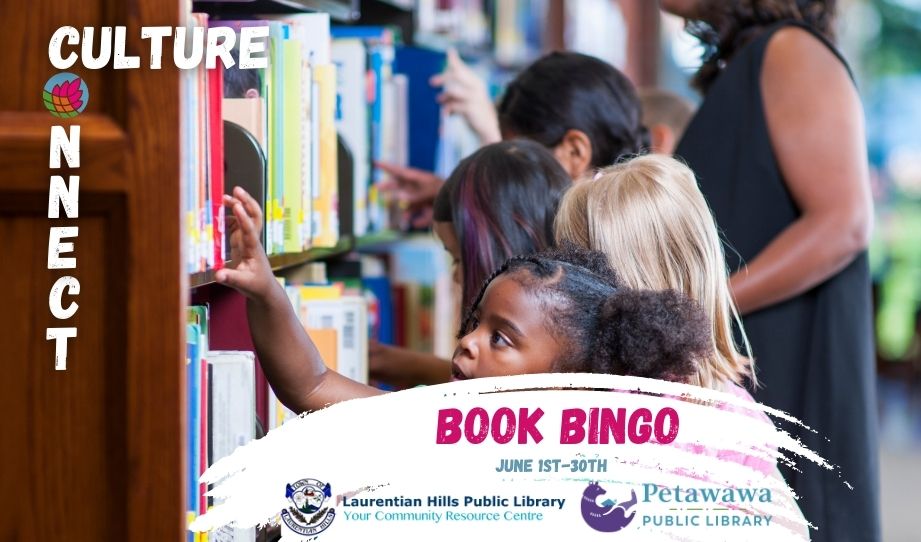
[559, 310]
[554, 311]
[565, 310]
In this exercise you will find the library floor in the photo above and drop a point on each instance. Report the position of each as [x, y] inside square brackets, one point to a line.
[900, 458]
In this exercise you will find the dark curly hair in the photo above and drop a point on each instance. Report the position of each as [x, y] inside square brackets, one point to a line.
[565, 91]
[604, 326]
[725, 26]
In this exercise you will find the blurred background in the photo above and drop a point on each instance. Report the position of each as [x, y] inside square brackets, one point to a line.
[882, 41]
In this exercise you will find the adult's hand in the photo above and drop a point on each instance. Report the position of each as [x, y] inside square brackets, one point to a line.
[413, 188]
[464, 93]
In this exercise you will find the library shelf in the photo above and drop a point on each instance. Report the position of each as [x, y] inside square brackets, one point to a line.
[405, 5]
[338, 10]
[279, 262]
[378, 239]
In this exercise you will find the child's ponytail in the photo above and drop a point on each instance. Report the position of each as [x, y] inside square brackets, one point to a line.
[651, 334]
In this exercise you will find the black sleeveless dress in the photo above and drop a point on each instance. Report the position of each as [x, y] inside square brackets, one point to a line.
[814, 353]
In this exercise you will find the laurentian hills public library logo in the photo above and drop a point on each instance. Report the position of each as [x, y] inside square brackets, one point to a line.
[307, 514]
[65, 95]
[607, 517]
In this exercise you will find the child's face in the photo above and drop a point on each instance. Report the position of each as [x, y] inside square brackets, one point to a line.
[509, 335]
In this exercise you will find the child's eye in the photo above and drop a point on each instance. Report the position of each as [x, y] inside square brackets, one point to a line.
[498, 340]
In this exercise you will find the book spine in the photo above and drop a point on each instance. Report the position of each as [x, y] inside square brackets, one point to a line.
[327, 203]
[216, 136]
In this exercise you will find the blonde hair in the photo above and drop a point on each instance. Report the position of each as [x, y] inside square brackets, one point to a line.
[648, 216]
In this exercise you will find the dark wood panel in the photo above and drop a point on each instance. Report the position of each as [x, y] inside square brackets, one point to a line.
[28, 27]
[68, 429]
[97, 451]
[156, 293]
[24, 148]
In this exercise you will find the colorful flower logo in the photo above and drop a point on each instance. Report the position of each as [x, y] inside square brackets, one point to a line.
[65, 95]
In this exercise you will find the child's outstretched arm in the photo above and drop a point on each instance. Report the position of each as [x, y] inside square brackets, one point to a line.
[289, 358]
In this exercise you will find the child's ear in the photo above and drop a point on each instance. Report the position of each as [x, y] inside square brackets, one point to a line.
[574, 153]
[663, 139]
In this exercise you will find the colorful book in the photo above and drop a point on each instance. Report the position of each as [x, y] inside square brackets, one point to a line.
[248, 113]
[193, 381]
[231, 417]
[351, 114]
[326, 200]
[216, 162]
[292, 201]
[382, 119]
[420, 65]
[276, 159]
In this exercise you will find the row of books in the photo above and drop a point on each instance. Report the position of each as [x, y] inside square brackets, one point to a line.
[202, 168]
[425, 314]
[289, 109]
[511, 32]
[336, 319]
[325, 90]
[403, 295]
[221, 411]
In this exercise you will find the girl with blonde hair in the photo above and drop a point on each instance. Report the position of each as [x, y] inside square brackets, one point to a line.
[648, 216]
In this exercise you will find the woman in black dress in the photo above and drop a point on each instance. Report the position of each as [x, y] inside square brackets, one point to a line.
[778, 147]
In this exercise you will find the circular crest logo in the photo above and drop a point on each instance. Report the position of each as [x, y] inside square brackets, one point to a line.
[65, 95]
[308, 513]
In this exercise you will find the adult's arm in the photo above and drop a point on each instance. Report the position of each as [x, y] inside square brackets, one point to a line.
[465, 93]
[815, 121]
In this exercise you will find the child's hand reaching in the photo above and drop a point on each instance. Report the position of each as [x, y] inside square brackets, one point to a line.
[250, 272]
[289, 358]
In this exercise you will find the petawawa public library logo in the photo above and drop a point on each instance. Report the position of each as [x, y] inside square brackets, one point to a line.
[308, 513]
[678, 507]
[607, 517]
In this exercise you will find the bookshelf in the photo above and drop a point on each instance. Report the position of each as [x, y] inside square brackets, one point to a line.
[101, 449]
[339, 10]
[281, 262]
[94, 452]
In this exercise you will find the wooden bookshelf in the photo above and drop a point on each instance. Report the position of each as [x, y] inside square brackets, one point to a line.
[379, 239]
[339, 10]
[94, 452]
[280, 262]
[99, 451]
